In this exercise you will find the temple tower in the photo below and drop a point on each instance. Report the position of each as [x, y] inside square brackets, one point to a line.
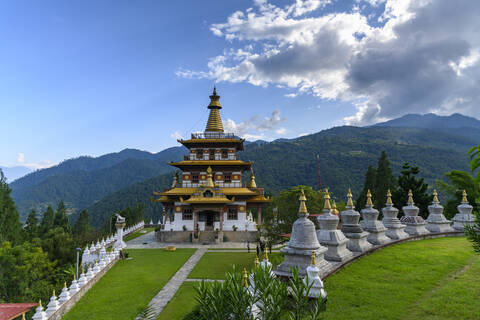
[209, 199]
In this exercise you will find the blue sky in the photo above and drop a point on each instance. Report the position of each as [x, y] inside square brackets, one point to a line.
[92, 77]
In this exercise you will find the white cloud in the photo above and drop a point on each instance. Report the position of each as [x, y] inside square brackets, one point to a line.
[176, 135]
[246, 128]
[303, 134]
[418, 56]
[33, 165]
[281, 131]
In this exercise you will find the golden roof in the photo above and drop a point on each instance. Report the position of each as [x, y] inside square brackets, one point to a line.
[210, 163]
[260, 198]
[189, 191]
[214, 123]
[216, 199]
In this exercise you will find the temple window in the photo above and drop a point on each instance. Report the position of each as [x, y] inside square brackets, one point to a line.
[187, 214]
[232, 214]
[224, 153]
[227, 177]
[212, 154]
[195, 177]
[208, 194]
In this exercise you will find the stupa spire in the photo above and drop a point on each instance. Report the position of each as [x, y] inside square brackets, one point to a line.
[389, 198]
[303, 206]
[209, 183]
[252, 183]
[350, 198]
[327, 205]
[410, 198]
[369, 199]
[435, 196]
[214, 123]
[464, 199]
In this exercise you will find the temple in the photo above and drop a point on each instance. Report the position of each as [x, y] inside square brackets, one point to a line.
[210, 198]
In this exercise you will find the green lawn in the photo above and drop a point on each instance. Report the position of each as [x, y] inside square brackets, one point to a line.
[427, 280]
[214, 265]
[182, 303]
[137, 234]
[125, 290]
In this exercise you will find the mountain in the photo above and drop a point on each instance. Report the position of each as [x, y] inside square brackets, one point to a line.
[433, 121]
[84, 180]
[13, 173]
[345, 153]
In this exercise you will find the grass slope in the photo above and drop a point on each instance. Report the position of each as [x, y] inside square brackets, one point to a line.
[126, 289]
[181, 304]
[138, 234]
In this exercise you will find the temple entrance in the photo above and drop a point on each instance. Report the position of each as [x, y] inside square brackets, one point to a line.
[209, 217]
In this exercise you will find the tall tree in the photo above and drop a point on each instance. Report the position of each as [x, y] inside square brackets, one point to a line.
[47, 221]
[31, 225]
[10, 226]
[370, 181]
[82, 227]
[408, 181]
[384, 180]
[61, 219]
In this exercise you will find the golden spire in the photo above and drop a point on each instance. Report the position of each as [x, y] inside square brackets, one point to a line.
[23, 316]
[245, 278]
[257, 262]
[40, 302]
[74, 276]
[334, 208]
[252, 183]
[214, 123]
[209, 183]
[389, 198]
[350, 198]
[175, 180]
[435, 196]
[303, 206]
[410, 198]
[369, 198]
[313, 258]
[326, 204]
[53, 294]
[64, 284]
[464, 199]
[266, 254]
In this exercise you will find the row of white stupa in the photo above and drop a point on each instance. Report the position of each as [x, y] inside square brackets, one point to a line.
[103, 259]
[330, 244]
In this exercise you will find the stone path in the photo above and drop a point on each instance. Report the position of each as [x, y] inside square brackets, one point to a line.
[159, 302]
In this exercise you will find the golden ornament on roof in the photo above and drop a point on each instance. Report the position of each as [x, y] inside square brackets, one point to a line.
[435, 196]
[350, 198]
[464, 199]
[410, 198]
[389, 197]
[303, 206]
[214, 123]
[369, 198]
[327, 204]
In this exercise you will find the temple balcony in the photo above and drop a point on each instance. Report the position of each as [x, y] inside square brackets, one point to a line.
[212, 135]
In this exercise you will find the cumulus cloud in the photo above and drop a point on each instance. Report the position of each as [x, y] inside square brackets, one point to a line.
[33, 165]
[417, 56]
[176, 135]
[246, 128]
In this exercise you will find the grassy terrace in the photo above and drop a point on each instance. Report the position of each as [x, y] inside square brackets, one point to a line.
[428, 279]
[137, 234]
[125, 290]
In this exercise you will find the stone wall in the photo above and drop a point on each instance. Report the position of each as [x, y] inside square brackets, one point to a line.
[173, 236]
[240, 236]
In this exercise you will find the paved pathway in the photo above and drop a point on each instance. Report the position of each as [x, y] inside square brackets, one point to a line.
[159, 302]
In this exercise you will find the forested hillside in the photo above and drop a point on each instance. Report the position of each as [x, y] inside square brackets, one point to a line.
[345, 153]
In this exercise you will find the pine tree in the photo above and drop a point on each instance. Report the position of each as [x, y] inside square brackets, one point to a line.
[384, 181]
[31, 225]
[61, 219]
[408, 181]
[47, 221]
[82, 225]
[10, 226]
[370, 180]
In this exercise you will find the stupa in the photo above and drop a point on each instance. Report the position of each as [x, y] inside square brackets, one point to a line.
[329, 236]
[372, 225]
[357, 238]
[415, 223]
[436, 221]
[302, 242]
[395, 230]
[464, 216]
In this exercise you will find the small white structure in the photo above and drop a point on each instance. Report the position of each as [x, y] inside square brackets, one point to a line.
[74, 288]
[464, 216]
[64, 295]
[372, 225]
[329, 236]
[357, 238]
[82, 280]
[395, 230]
[415, 223]
[89, 274]
[313, 276]
[53, 305]
[436, 221]
[39, 313]
[120, 224]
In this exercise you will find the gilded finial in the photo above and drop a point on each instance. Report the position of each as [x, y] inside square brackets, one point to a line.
[252, 183]
[435, 196]
[369, 198]
[326, 205]
[334, 207]
[74, 276]
[389, 198]
[23, 316]
[53, 294]
[303, 206]
[257, 262]
[350, 198]
[40, 302]
[214, 90]
[464, 199]
[209, 183]
[410, 198]
[64, 284]
[266, 255]
[245, 278]
[214, 123]
[175, 180]
[313, 258]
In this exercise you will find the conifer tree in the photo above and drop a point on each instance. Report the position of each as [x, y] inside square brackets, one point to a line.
[47, 221]
[31, 225]
[10, 226]
[408, 181]
[61, 219]
[384, 180]
[370, 180]
[82, 225]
